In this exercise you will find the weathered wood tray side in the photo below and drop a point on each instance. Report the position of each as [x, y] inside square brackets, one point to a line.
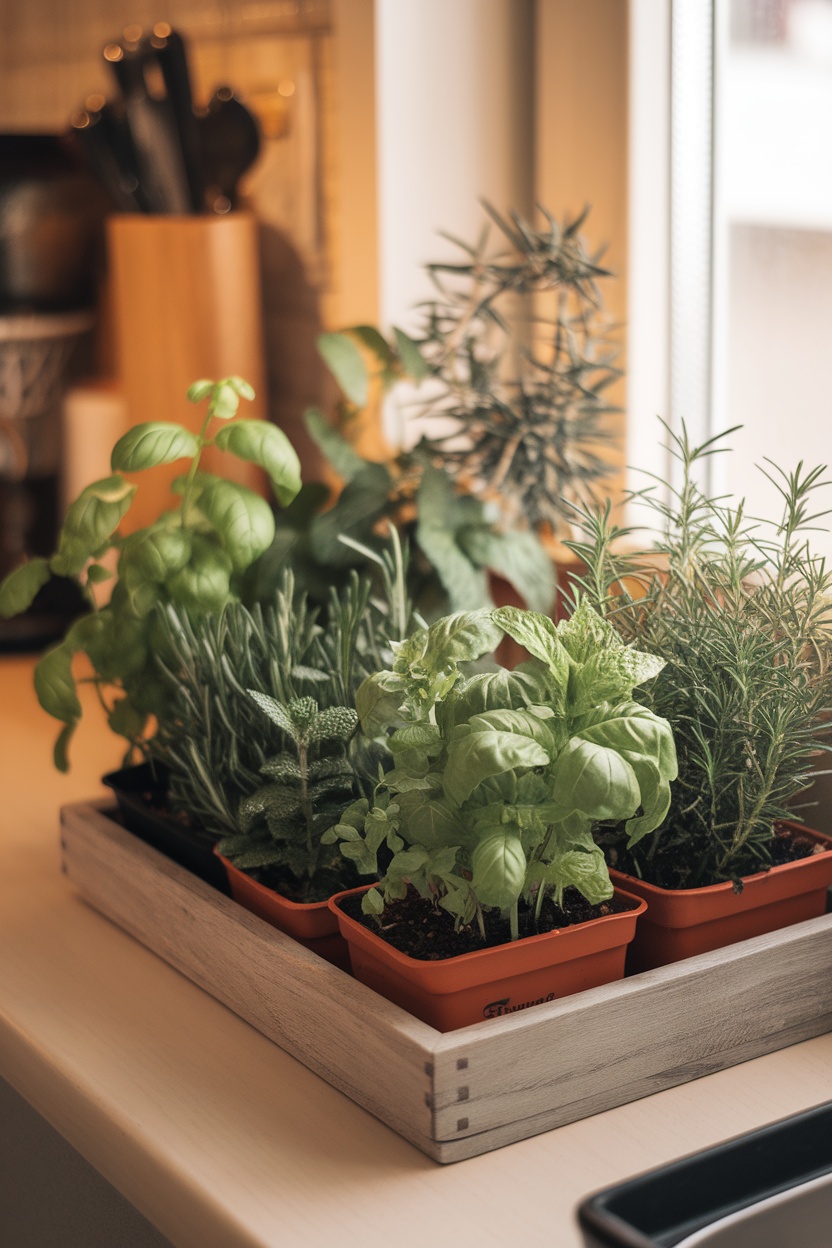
[467, 1092]
[369, 1049]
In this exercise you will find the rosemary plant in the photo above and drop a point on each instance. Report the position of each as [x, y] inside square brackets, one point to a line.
[529, 420]
[261, 749]
[740, 611]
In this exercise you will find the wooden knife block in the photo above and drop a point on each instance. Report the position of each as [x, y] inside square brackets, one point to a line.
[186, 303]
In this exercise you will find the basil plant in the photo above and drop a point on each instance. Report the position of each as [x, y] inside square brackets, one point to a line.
[192, 556]
[500, 777]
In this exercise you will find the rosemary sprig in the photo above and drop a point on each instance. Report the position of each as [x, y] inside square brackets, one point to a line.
[741, 610]
[522, 354]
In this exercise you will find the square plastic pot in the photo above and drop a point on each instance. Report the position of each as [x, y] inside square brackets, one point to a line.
[491, 983]
[681, 923]
[312, 924]
[140, 793]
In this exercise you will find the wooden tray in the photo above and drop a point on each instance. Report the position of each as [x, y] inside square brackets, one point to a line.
[469, 1091]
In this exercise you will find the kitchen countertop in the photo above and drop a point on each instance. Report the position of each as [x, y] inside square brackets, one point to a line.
[221, 1139]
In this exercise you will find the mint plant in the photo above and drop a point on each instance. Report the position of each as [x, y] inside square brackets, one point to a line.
[308, 783]
[260, 748]
[501, 777]
[193, 555]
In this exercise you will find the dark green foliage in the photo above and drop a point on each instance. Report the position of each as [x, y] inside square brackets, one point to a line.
[531, 415]
[740, 610]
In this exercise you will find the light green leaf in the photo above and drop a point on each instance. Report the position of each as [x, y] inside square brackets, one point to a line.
[204, 584]
[225, 401]
[346, 363]
[200, 390]
[90, 521]
[460, 638]
[242, 387]
[154, 442]
[595, 781]
[584, 869]
[158, 551]
[607, 670]
[434, 823]
[242, 518]
[537, 634]
[475, 756]
[379, 701]
[275, 711]
[499, 870]
[520, 722]
[55, 684]
[372, 902]
[260, 442]
[411, 357]
[19, 590]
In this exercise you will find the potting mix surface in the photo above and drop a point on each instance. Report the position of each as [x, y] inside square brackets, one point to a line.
[420, 929]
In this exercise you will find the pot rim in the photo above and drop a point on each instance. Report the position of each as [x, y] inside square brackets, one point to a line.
[300, 907]
[574, 930]
[726, 886]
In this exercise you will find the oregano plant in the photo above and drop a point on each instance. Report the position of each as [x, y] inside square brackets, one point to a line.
[192, 555]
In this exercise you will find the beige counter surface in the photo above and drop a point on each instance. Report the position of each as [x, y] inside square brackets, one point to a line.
[219, 1137]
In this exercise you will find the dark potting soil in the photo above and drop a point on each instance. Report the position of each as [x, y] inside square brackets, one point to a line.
[786, 845]
[417, 927]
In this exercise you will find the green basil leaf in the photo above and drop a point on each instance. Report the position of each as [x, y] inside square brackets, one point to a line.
[475, 756]
[97, 574]
[378, 702]
[204, 584]
[518, 555]
[200, 390]
[19, 590]
[584, 869]
[595, 781]
[55, 684]
[60, 754]
[522, 722]
[243, 520]
[499, 870]
[225, 401]
[460, 638]
[537, 634]
[346, 363]
[260, 442]
[152, 443]
[411, 357]
[158, 551]
[372, 902]
[90, 521]
[440, 517]
[243, 388]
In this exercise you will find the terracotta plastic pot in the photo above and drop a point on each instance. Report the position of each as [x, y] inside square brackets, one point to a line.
[312, 924]
[683, 922]
[491, 983]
